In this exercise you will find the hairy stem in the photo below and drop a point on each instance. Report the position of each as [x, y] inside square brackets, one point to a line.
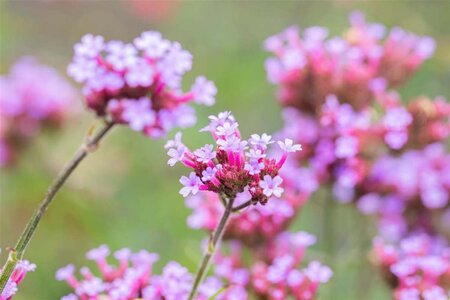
[212, 247]
[17, 253]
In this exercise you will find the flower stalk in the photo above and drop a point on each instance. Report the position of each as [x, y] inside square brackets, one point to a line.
[18, 251]
[212, 247]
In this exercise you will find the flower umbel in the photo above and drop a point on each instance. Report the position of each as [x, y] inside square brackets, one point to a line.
[132, 278]
[139, 83]
[234, 165]
[33, 97]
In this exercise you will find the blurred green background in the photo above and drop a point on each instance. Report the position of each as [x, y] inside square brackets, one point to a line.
[125, 194]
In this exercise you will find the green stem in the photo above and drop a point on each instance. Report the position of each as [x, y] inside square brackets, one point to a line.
[17, 253]
[211, 249]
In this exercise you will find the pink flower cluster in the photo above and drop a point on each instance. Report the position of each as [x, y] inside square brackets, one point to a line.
[139, 84]
[133, 278]
[17, 276]
[409, 197]
[355, 151]
[239, 169]
[234, 166]
[273, 271]
[308, 68]
[251, 226]
[357, 136]
[418, 267]
[32, 96]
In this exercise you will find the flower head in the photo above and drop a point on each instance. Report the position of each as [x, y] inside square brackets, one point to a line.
[132, 278]
[139, 83]
[33, 97]
[234, 165]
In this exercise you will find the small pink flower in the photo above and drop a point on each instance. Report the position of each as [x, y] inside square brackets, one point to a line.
[317, 272]
[98, 253]
[191, 184]
[208, 174]
[65, 273]
[227, 129]
[152, 43]
[204, 91]
[260, 141]
[288, 146]
[205, 154]
[271, 186]
[176, 155]
[253, 166]
[138, 114]
[175, 142]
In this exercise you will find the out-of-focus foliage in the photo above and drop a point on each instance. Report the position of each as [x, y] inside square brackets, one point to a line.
[125, 194]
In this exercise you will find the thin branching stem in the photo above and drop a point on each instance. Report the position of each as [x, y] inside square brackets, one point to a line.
[17, 253]
[242, 206]
[211, 248]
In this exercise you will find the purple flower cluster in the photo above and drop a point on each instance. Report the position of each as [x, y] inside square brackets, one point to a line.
[273, 271]
[234, 165]
[308, 68]
[139, 83]
[240, 170]
[418, 267]
[17, 276]
[133, 278]
[409, 197]
[357, 136]
[251, 226]
[32, 96]
[388, 158]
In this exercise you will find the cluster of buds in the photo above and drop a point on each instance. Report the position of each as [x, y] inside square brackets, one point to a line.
[133, 278]
[421, 122]
[430, 121]
[234, 166]
[32, 96]
[139, 84]
[17, 276]
[273, 271]
[418, 267]
[353, 67]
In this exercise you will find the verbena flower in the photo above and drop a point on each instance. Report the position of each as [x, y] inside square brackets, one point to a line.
[417, 267]
[33, 96]
[310, 66]
[233, 165]
[251, 226]
[358, 137]
[139, 83]
[273, 270]
[132, 277]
